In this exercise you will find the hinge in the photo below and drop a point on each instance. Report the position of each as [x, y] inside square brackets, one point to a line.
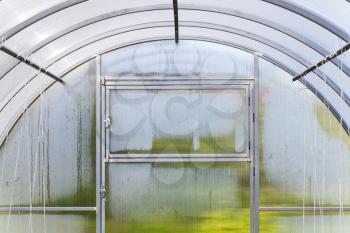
[253, 117]
[253, 171]
[249, 145]
[107, 122]
[103, 192]
[249, 100]
[103, 82]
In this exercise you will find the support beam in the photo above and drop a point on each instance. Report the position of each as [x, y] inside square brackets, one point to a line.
[299, 209]
[176, 21]
[322, 62]
[46, 209]
[28, 62]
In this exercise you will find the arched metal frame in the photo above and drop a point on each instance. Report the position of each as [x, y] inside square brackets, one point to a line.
[252, 18]
[310, 86]
[324, 77]
[285, 5]
[341, 33]
[254, 189]
[297, 10]
[59, 7]
[137, 27]
[242, 15]
[322, 84]
[309, 44]
[265, 41]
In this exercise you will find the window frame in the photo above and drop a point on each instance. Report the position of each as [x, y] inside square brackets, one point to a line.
[186, 83]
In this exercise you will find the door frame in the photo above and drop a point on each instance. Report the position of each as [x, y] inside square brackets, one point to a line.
[104, 84]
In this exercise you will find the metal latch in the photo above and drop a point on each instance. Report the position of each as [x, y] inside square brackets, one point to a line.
[103, 192]
[107, 122]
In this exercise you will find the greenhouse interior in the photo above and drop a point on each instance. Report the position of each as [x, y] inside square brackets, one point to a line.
[174, 116]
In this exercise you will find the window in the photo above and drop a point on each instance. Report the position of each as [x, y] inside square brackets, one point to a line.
[175, 121]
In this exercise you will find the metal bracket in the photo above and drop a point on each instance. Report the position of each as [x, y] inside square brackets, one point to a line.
[2, 41]
[176, 20]
[103, 192]
[324, 61]
[107, 122]
[103, 81]
[20, 58]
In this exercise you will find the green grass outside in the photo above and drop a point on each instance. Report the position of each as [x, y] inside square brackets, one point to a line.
[208, 145]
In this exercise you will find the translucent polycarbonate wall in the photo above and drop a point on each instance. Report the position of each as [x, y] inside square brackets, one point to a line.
[188, 58]
[295, 222]
[48, 159]
[43, 222]
[302, 141]
[304, 157]
[179, 117]
[178, 197]
[179, 121]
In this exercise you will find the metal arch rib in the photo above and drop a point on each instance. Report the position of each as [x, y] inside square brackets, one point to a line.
[281, 49]
[198, 25]
[280, 3]
[41, 15]
[273, 25]
[239, 46]
[257, 38]
[252, 18]
[262, 40]
[88, 22]
[340, 32]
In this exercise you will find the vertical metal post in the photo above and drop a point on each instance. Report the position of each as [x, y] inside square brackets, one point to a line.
[103, 157]
[98, 144]
[256, 145]
[251, 153]
[176, 21]
[100, 150]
